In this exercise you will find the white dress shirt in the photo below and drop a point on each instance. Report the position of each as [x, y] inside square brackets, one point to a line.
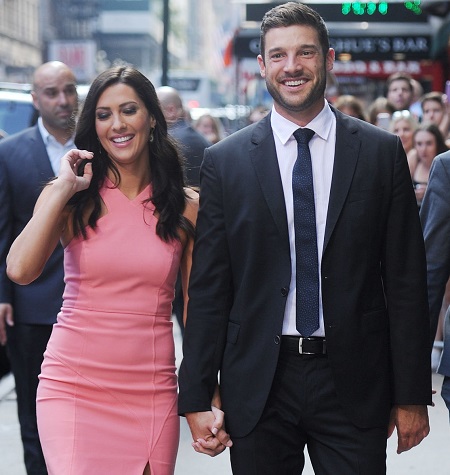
[322, 147]
[55, 150]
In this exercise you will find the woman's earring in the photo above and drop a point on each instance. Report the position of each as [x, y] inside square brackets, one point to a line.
[151, 137]
[99, 146]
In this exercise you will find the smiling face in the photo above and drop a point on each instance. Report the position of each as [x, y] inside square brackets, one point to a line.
[123, 125]
[295, 71]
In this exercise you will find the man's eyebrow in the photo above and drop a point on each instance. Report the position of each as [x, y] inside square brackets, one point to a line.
[56, 88]
[276, 49]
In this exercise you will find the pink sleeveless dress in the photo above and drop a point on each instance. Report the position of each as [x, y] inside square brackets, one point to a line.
[107, 397]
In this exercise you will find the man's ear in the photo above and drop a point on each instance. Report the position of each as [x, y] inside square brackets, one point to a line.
[262, 66]
[35, 101]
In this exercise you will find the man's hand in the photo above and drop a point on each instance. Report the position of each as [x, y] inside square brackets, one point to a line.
[412, 426]
[6, 318]
[208, 432]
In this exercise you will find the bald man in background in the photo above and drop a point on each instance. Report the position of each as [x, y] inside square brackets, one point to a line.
[192, 145]
[28, 160]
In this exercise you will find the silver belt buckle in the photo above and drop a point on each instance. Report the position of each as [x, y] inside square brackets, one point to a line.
[300, 347]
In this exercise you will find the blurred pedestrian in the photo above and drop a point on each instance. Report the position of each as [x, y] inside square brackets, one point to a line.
[210, 127]
[351, 106]
[436, 109]
[191, 142]
[380, 112]
[415, 108]
[257, 114]
[400, 91]
[27, 313]
[192, 145]
[107, 396]
[308, 287]
[428, 142]
[404, 124]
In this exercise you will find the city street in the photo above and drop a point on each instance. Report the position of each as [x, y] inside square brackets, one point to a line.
[430, 458]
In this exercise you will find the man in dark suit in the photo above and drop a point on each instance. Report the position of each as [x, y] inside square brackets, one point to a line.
[191, 142]
[362, 367]
[192, 145]
[28, 160]
[435, 216]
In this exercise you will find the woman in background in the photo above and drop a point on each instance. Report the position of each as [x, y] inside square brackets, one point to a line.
[428, 142]
[210, 127]
[351, 106]
[404, 124]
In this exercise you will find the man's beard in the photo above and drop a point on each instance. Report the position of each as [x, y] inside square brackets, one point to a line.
[313, 96]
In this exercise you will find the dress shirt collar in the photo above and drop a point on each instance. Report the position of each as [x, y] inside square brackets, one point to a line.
[49, 139]
[284, 128]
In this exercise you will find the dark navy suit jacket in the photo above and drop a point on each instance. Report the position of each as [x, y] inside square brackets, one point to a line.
[373, 275]
[24, 169]
[435, 216]
[192, 145]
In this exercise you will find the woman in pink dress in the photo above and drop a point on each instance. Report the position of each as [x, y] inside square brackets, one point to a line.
[107, 397]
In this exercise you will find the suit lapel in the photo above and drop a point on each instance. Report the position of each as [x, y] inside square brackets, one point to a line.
[264, 158]
[40, 156]
[346, 156]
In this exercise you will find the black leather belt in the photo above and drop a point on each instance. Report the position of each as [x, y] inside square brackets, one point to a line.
[312, 345]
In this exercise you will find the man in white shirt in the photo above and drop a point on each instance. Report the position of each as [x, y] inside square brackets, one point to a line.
[320, 339]
[28, 160]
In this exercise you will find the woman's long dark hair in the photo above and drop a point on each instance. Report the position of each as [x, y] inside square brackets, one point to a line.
[167, 180]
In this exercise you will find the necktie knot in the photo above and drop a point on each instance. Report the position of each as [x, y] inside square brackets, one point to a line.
[303, 135]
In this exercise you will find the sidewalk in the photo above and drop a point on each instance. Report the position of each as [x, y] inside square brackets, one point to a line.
[431, 457]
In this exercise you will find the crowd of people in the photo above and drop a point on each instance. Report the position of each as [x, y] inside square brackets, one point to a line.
[149, 214]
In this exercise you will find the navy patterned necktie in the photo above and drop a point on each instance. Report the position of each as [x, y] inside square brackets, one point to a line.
[307, 271]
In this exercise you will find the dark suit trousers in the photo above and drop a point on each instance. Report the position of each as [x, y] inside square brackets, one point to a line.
[26, 345]
[303, 409]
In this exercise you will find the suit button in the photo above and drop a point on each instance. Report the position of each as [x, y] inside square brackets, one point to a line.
[277, 340]
[284, 291]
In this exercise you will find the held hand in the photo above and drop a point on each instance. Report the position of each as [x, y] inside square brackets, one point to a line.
[206, 429]
[6, 318]
[412, 426]
[218, 428]
[70, 164]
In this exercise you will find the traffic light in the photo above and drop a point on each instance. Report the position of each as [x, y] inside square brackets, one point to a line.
[363, 8]
[414, 7]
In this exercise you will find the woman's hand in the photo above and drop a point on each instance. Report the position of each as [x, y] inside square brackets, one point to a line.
[70, 165]
[33, 247]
